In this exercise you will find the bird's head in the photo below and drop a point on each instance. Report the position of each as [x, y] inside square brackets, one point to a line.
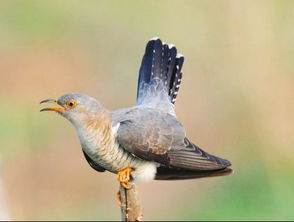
[75, 107]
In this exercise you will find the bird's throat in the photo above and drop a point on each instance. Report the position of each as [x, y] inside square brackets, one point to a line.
[96, 134]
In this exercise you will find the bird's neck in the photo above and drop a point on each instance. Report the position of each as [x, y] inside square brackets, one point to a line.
[96, 132]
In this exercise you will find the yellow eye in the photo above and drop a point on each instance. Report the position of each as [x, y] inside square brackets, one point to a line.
[71, 103]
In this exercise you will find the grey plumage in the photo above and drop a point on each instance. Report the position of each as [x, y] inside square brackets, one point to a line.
[157, 136]
[146, 137]
[150, 131]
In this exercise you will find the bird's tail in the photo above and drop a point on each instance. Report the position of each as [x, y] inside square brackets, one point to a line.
[161, 62]
[166, 173]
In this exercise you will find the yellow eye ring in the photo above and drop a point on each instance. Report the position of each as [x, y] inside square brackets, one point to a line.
[71, 103]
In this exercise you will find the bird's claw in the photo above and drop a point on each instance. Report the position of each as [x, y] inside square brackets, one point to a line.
[124, 176]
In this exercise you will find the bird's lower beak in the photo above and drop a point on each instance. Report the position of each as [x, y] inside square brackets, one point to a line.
[52, 101]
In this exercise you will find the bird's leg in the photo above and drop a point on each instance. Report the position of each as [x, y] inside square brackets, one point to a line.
[124, 176]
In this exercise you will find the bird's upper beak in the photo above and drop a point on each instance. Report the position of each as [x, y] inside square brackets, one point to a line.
[56, 109]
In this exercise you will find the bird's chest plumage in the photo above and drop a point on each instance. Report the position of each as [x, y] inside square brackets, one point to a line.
[103, 149]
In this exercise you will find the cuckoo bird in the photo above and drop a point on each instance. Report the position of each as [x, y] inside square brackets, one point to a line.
[146, 141]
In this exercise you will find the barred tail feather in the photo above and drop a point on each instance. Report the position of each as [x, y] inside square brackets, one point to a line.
[176, 78]
[161, 62]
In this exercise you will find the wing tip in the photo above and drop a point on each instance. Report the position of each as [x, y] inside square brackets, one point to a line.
[224, 162]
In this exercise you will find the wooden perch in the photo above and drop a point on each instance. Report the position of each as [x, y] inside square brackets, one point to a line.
[131, 209]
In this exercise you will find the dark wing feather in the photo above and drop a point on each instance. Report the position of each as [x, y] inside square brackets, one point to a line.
[153, 135]
[192, 157]
[165, 173]
[93, 164]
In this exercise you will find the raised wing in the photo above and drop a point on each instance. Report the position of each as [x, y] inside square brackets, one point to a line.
[160, 76]
[153, 135]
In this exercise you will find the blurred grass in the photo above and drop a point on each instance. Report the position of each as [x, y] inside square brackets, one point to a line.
[236, 101]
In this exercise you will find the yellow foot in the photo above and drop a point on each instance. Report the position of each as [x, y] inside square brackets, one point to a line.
[124, 176]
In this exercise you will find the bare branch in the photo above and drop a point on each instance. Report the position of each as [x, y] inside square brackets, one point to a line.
[131, 209]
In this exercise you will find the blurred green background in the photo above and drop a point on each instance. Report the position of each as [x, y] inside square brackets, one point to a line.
[236, 102]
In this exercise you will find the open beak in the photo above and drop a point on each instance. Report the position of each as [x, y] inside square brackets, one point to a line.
[54, 102]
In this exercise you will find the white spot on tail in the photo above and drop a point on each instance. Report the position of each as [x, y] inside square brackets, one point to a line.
[154, 38]
[171, 46]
